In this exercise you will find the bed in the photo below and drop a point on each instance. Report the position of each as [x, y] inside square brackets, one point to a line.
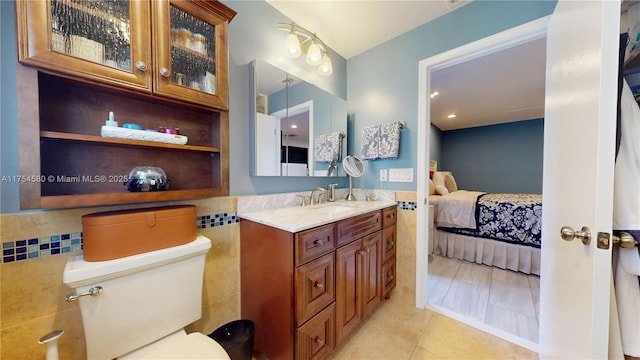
[502, 230]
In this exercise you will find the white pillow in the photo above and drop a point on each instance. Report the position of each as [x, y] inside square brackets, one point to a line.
[442, 190]
[450, 183]
[432, 187]
[438, 178]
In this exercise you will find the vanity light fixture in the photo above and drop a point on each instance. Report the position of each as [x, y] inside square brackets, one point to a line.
[434, 94]
[302, 40]
[451, 116]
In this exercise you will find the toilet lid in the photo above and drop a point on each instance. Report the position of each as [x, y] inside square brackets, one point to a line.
[192, 346]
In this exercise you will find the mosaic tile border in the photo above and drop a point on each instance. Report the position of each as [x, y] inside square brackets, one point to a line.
[35, 248]
[203, 222]
[407, 205]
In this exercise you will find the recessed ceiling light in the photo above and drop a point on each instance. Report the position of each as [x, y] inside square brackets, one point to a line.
[434, 94]
[294, 126]
[451, 116]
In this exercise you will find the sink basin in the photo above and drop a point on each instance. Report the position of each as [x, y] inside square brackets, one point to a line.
[331, 208]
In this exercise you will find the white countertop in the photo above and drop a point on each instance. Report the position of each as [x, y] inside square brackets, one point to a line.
[298, 218]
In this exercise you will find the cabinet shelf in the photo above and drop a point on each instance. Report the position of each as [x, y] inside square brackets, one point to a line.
[67, 201]
[125, 142]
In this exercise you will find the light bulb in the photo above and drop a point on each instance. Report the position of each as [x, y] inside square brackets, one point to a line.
[326, 68]
[292, 45]
[314, 55]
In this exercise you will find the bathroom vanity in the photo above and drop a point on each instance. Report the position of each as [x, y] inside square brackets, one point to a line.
[310, 275]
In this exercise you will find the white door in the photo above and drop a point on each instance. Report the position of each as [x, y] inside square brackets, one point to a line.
[267, 145]
[579, 137]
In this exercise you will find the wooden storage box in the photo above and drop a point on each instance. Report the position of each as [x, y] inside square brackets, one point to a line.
[116, 234]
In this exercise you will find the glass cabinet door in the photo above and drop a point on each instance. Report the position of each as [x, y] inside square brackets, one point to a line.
[97, 31]
[104, 40]
[191, 52]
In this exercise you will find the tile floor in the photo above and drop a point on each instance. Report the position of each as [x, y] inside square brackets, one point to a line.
[503, 299]
[398, 330]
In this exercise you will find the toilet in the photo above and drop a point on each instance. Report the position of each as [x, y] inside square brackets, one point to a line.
[136, 307]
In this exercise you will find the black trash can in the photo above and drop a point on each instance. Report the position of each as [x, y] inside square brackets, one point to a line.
[236, 338]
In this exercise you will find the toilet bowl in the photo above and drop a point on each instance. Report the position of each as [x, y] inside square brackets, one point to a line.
[136, 307]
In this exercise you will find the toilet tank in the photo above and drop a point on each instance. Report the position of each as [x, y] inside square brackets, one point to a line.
[144, 297]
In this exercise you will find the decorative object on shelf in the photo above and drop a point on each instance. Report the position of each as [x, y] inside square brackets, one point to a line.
[302, 40]
[133, 134]
[147, 178]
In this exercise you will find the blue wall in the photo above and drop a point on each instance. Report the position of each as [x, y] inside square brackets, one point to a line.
[382, 83]
[497, 158]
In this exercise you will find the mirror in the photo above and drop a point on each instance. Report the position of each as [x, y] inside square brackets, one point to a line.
[354, 167]
[298, 128]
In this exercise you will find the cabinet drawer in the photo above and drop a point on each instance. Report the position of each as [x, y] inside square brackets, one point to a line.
[389, 216]
[388, 243]
[359, 226]
[314, 243]
[388, 277]
[316, 338]
[315, 287]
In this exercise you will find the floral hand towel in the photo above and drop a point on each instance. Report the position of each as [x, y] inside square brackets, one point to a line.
[389, 143]
[327, 147]
[370, 138]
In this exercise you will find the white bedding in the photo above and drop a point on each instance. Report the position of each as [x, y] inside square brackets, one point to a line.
[457, 209]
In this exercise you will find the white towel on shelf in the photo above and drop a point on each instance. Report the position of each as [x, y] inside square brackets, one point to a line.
[327, 147]
[389, 143]
[370, 139]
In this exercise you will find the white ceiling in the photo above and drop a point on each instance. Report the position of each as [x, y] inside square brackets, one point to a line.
[350, 27]
[502, 87]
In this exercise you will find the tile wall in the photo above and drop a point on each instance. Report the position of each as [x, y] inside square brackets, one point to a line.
[406, 250]
[32, 293]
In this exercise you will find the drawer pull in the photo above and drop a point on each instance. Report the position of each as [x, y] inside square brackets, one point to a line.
[318, 242]
[318, 341]
[318, 285]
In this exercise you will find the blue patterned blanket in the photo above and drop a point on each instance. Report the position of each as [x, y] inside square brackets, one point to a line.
[514, 218]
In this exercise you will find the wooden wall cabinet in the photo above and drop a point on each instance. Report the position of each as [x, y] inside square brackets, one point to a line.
[174, 49]
[306, 291]
[86, 58]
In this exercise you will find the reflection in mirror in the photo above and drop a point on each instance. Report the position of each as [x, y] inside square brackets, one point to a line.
[299, 129]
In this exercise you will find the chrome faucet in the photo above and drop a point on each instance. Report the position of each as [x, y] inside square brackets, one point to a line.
[333, 168]
[320, 191]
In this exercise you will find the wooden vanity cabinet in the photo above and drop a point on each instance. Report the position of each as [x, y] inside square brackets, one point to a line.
[389, 244]
[358, 289]
[146, 46]
[306, 291]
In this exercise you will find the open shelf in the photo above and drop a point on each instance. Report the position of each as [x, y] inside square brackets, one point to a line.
[125, 142]
[68, 201]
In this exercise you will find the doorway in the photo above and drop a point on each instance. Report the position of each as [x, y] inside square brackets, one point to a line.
[517, 36]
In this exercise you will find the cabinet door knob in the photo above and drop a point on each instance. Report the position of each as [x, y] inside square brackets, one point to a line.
[318, 285]
[319, 341]
[141, 65]
[165, 72]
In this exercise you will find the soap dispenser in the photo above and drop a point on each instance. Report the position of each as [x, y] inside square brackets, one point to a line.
[332, 193]
[111, 121]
